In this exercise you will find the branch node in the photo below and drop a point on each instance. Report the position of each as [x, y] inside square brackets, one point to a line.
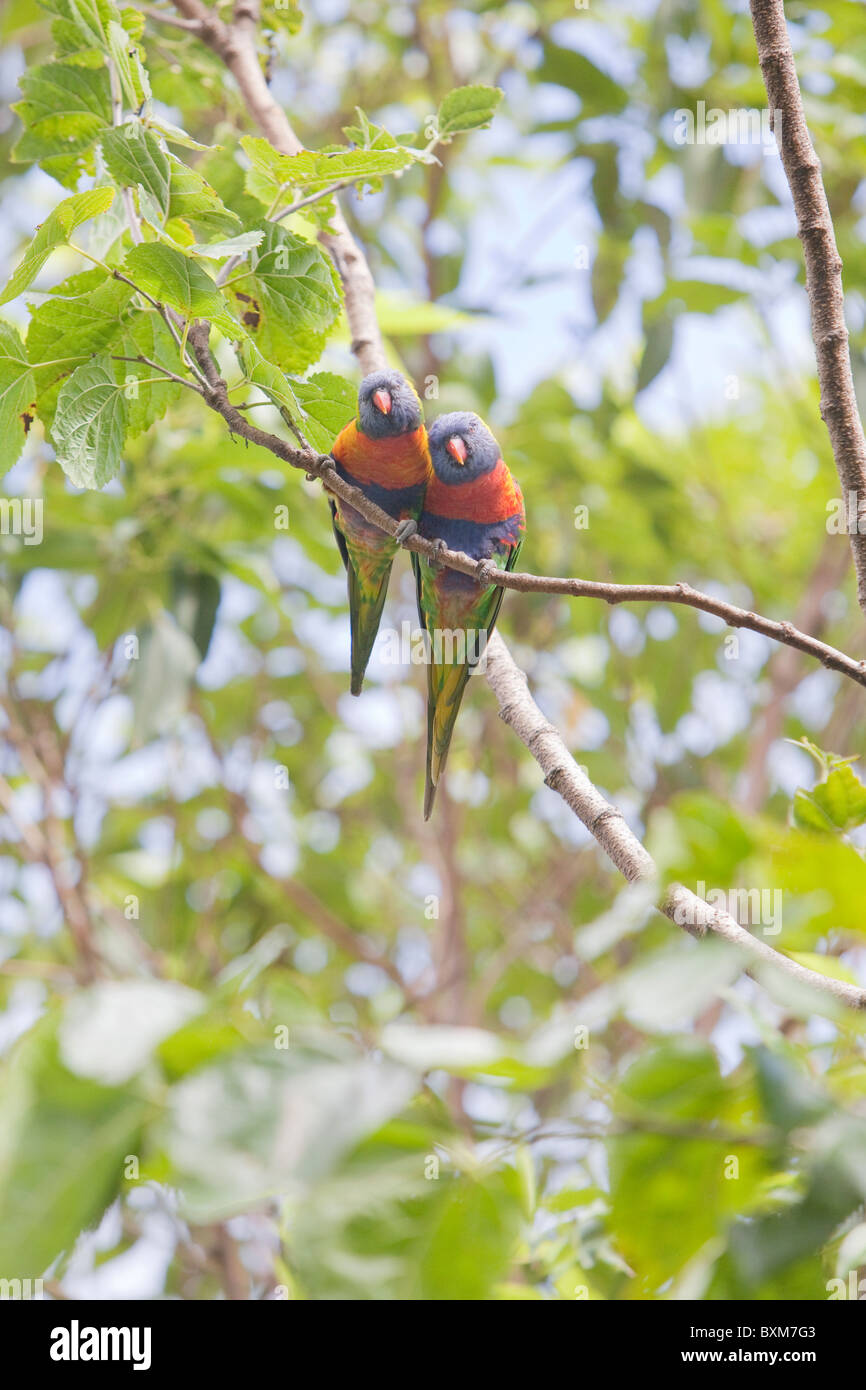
[506, 711]
[553, 776]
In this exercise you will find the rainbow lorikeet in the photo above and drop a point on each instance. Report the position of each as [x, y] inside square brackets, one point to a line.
[473, 504]
[384, 453]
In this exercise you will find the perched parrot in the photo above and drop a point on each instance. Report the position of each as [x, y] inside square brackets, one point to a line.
[384, 453]
[473, 504]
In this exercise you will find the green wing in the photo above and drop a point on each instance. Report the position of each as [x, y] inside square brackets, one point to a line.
[368, 589]
[446, 683]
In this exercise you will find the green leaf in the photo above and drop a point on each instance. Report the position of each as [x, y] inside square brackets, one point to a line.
[147, 400]
[223, 169]
[64, 108]
[17, 392]
[192, 200]
[599, 94]
[89, 31]
[789, 1096]
[472, 1240]
[369, 136]
[90, 424]
[231, 246]
[282, 14]
[289, 300]
[824, 965]
[198, 1042]
[271, 172]
[169, 276]
[90, 19]
[808, 815]
[176, 136]
[566, 1199]
[827, 872]
[700, 296]
[56, 230]
[135, 157]
[467, 108]
[163, 676]
[657, 349]
[269, 379]
[826, 761]
[195, 599]
[669, 1193]
[834, 1191]
[251, 1126]
[62, 1148]
[842, 798]
[82, 317]
[608, 272]
[131, 72]
[328, 403]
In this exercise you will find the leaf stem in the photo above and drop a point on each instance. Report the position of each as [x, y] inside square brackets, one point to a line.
[166, 374]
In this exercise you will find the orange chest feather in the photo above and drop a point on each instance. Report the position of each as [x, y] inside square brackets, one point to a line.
[403, 461]
[495, 497]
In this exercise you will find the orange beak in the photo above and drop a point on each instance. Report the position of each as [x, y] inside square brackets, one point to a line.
[382, 399]
[457, 449]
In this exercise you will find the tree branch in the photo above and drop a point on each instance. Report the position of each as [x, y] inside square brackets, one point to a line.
[322, 466]
[47, 843]
[236, 44]
[823, 267]
[607, 824]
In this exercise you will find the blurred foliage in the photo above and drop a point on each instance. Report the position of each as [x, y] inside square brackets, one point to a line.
[266, 1033]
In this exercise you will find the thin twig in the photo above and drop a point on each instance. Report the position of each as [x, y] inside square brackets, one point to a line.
[315, 197]
[172, 376]
[823, 268]
[189, 26]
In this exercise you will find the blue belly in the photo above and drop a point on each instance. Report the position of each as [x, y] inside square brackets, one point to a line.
[478, 539]
[398, 502]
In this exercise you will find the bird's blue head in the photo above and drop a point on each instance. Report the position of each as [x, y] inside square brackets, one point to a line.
[462, 448]
[387, 405]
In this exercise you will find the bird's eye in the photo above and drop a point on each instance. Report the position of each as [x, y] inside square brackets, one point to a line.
[457, 449]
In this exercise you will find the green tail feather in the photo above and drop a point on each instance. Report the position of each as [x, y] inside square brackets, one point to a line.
[446, 686]
[429, 784]
[442, 710]
[366, 614]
